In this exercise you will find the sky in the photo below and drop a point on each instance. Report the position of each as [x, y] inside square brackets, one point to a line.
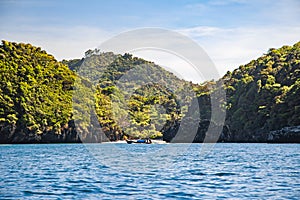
[231, 32]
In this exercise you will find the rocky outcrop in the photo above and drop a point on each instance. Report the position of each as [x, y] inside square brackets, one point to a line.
[285, 135]
[11, 134]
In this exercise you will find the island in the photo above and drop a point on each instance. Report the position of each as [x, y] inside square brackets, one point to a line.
[37, 102]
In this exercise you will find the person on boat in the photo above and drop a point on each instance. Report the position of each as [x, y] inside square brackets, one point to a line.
[148, 141]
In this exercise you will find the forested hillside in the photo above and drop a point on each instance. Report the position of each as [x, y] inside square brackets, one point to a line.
[264, 94]
[35, 93]
[36, 97]
[135, 98]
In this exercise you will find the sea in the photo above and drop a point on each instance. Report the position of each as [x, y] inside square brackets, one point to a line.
[150, 171]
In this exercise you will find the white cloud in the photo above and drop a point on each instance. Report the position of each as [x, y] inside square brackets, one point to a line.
[62, 42]
[172, 63]
[201, 31]
[229, 48]
[225, 2]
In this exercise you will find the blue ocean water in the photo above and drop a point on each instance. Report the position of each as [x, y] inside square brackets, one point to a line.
[122, 171]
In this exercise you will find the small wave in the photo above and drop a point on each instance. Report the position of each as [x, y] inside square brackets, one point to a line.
[224, 174]
[26, 192]
[196, 172]
[181, 195]
[78, 181]
[251, 167]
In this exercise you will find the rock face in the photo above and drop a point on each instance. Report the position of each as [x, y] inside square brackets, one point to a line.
[285, 135]
[68, 134]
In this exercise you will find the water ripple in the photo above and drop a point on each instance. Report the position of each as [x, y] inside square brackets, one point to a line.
[69, 171]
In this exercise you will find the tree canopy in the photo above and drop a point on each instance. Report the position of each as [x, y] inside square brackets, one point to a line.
[135, 98]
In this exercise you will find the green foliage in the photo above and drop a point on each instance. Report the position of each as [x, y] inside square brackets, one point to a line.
[36, 94]
[143, 112]
[271, 102]
[35, 90]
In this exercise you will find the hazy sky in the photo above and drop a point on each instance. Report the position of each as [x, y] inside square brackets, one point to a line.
[232, 32]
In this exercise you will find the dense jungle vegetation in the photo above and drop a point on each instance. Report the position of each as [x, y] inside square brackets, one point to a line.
[44, 100]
